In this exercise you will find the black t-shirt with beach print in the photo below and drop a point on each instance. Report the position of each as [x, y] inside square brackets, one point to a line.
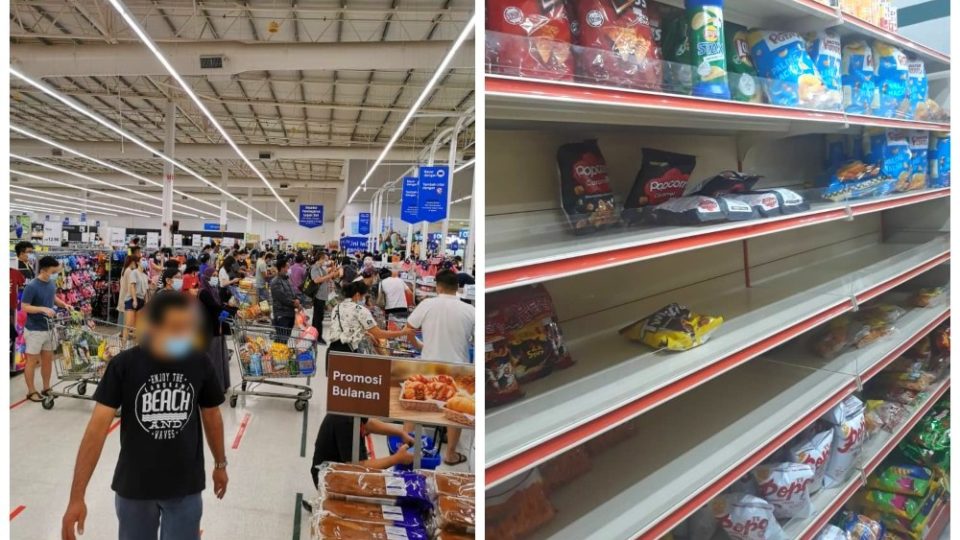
[161, 439]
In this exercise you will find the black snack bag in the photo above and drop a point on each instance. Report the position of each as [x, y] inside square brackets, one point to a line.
[791, 202]
[663, 176]
[736, 210]
[764, 203]
[585, 192]
[691, 210]
[727, 182]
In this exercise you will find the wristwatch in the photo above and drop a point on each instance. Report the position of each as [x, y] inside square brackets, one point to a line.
[220, 465]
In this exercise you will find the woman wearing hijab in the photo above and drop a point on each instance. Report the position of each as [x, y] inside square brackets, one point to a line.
[216, 330]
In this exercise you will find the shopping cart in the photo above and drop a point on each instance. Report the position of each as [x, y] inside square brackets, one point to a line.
[273, 357]
[395, 347]
[85, 347]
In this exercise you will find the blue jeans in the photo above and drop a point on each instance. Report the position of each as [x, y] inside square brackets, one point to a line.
[176, 519]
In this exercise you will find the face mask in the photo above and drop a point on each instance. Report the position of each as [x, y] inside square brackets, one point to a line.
[214, 282]
[177, 284]
[53, 276]
[178, 348]
[31, 257]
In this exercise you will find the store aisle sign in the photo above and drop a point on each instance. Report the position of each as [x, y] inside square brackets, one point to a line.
[311, 215]
[177, 240]
[52, 233]
[195, 241]
[118, 237]
[153, 240]
[363, 225]
[353, 243]
[432, 201]
[409, 213]
[211, 226]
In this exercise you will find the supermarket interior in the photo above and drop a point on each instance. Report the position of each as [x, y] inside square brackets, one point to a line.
[717, 304]
[256, 213]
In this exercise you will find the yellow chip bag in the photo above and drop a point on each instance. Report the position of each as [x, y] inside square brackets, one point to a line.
[674, 328]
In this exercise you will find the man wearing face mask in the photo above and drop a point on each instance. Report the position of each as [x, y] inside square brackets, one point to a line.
[285, 302]
[169, 399]
[39, 297]
[25, 259]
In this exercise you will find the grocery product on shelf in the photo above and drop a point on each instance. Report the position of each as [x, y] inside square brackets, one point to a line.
[662, 176]
[705, 18]
[814, 451]
[690, 210]
[677, 52]
[890, 65]
[912, 480]
[529, 39]
[860, 526]
[616, 44]
[587, 198]
[518, 510]
[746, 517]
[917, 89]
[787, 487]
[919, 162]
[674, 328]
[938, 155]
[824, 49]
[741, 71]
[848, 433]
[788, 74]
[857, 77]
[501, 379]
[832, 532]
[565, 468]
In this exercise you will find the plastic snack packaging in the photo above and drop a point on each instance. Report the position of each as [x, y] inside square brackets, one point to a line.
[832, 532]
[736, 209]
[857, 78]
[814, 451]
[532, 332]
[881, 313]
[585, 192]
[824, 49]
[330, 527]
[501, 380]
[787, 487]
[531, 38]
[745, 517]
[885, 415]
[565, 468]
[911, 480]
[705, 18]
[677, 53]
[938, 155]
[662, 176]
[890, 68]
[691, 210]
[617, 45]
[787, 73]
[919, 162]
[762, 203]
[380, 514]
[860, 527]
[848, 430]
[790, 201]
[453, 483]
[741, 72]
[674, 328]
[727, 182]
[517, 509]
[929, 297]
[891, 503]
[890, 149]
[917, 90]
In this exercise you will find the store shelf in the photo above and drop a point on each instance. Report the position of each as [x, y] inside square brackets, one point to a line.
[827, 502]
[689, 450]
[939, 523]
[616, 380]
[513, 100]
[532, 247]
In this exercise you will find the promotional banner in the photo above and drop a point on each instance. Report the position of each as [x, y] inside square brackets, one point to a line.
[432, 202]
[52, 233]
[311, 215]
[409, 213]
[363, 225]
[353, 243]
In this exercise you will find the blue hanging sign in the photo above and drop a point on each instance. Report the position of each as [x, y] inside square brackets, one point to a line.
[211, 226]
[311, 215]
[409, 213]
[432, 203]
[363, 227]
[66, 221]
[353, 243]
[464, 233]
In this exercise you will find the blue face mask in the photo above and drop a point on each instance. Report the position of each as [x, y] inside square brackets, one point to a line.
[178, 348]
[177, 284]
[53, 276]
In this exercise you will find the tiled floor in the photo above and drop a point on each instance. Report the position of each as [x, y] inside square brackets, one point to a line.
[268, 469]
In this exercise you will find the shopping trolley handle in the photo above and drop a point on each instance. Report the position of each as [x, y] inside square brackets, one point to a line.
[224, 315]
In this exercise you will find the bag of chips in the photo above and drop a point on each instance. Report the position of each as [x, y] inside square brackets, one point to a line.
[911, 480]
[790, 201]
[857, 78]
[814, 451]
[706, 42]
[786, 71]
[917, 89]
[919, 162]
[891, 503]
[677, 53]
[734, 209]
[762, 203]
[824, 49]
[617, 46]
[891, 77]
[727, 182]
[741, 72]
[662, 176]
[691, 210]
[860, 527]
[745, 517]
[674, 328]
[530, 38]
[857, 180]
[938, 156]
[848, 431]
[890, 149]
[585, 192]
[532, 331]
[501, 380]
[787, 487]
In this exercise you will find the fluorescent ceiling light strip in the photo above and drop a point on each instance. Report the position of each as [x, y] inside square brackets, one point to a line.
[94, 180]
[121, 170]
[125, 134]
[142, 34]
[72, 186]
[19, 189]
[38, 209]
[73, 209]
[467, 30]
[90, 207]
[464, 166]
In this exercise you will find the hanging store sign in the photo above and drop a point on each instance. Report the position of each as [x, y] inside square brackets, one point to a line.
[432, 202]
[178, 240]
[153, 240]
[363, 225]
[409, 213]
[118, 237]
[311, 215]
[196, 241]
[353, 243]
[52, 233]
[211, 226]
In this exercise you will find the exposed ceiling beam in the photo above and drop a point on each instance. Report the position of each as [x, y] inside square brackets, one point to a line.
[187, 183]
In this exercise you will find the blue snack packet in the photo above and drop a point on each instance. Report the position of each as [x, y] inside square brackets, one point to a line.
[938, 155]
[786, 71]
[857, 78]
[824, 49]
[891, 77]
[917, 88]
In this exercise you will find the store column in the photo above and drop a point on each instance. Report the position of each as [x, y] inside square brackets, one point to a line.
[223, 199]
[166, 218]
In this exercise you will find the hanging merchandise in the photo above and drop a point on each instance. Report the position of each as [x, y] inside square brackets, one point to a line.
[707, 45]
[617, 45]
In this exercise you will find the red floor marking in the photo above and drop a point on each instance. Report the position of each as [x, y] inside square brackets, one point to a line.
[16, 511]
[241, 431]
[370, 447]
[19, 403]
[114, 426]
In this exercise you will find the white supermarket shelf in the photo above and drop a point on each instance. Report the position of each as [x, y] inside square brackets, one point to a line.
[827, 502]
[615, 380]
[531, 247]
[690, 449]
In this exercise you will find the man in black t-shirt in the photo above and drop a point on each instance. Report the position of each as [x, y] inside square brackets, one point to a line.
[168, 397]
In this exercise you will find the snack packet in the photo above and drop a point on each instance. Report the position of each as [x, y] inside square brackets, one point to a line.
[585, 192]
[832, 532]
[762, 203]
[790, 201]
[891, 503]
[532, 331]
[848, 431]
[911, 480]
[919, 162]
[857, 180]
[887, 415]
[741, 72]
[891, 76]
[890, 149]
[674, 328]
[932, 296]
[917, 89]
[617, 46]
[662, 176]
[859, 526]
[857, 78]
[455, 513]
[380, 514]
[330, 527]
[824, 49]
[814, 452]
[745, 517]
[691, 210]
[677, 53]
[501, 380]
[518, 508]
[727, 182]
[565, 468]
[379, 488]
[530, 38]
[939, 160]
[786, 487]
[707, 45]
[787, 73]
[734, 209]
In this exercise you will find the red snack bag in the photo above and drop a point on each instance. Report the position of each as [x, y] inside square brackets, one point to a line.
[532, 331]
[501, 380]
[532, 39]
[618, 45]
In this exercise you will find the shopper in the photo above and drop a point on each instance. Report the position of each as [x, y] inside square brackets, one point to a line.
[133, 291]
[191, 278]
[447, 325]
[297, 271]
[39, 298]
[323, 275]
[17, 283]
[351, 322]
[204, 263]
[393, 292]
[167, 394]
[285, 301]
[25, 259]
[171, 280]
[216, 329]
[227, 276]
[260, 275]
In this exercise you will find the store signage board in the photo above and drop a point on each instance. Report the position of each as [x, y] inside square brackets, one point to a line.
[118, 237]
[206, 241]
[52, 231]
[464, 233]
[432, 202]
[409, 212]
[211, 226]
[311, 215]
[153, 240]
[196, 241]
[353, 243]
[363, 385]
[363, 223]
[469, 292]
[178, 240]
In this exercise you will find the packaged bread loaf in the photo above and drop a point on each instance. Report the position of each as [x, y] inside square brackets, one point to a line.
[330, 527]
[454, 535]
[456, 513]
[380, 514]
[518, 509]
[382, 487]
[453, 483]
[565, 468]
